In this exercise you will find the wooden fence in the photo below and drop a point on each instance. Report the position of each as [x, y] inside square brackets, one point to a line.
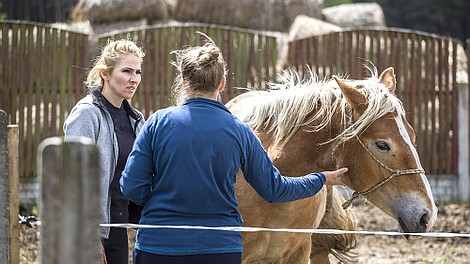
[425, 67]
[42, 71]
[251, 59]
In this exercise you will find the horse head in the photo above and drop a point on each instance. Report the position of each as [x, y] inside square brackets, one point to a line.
[377, 144]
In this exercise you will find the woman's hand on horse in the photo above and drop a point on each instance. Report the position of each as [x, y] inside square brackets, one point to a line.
[335, 177]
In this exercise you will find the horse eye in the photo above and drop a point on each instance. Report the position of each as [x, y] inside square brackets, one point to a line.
[382, 146]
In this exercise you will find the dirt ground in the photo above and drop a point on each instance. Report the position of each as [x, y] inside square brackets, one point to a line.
[372, 248]
[453, 218]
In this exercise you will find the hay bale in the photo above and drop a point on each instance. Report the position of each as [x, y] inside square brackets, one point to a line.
[111, 11]
[305, 26]
[270, 15]
[355, 15]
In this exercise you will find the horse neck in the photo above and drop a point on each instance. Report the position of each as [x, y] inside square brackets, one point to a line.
[309, 151]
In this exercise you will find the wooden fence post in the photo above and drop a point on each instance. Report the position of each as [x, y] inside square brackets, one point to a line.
[4, 194]
[14, 194]
[69, 201]
[9, 195]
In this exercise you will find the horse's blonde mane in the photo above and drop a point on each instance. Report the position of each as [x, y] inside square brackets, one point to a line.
[290, 101]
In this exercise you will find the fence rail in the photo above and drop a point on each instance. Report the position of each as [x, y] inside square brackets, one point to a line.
[42, 70]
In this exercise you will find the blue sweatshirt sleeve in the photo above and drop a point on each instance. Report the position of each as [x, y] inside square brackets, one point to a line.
[268, 182]
[136, 179]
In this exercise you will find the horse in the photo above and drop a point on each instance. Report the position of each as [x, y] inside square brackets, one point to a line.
[310, 125]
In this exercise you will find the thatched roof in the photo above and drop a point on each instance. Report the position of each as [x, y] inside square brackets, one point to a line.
[110, 11]
[270, 15]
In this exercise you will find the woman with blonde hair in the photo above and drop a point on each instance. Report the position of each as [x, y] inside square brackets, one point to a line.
[106, 116]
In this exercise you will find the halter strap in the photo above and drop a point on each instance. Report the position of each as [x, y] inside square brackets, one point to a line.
[395, 172]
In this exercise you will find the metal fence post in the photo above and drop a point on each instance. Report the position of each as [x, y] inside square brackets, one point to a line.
[69, 198]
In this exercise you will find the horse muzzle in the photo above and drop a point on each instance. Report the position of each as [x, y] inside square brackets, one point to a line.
[419, 221]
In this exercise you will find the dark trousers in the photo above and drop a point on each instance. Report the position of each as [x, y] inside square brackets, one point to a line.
[140, 257]
[116, 246]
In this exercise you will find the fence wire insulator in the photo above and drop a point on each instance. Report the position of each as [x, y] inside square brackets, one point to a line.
[29, 221]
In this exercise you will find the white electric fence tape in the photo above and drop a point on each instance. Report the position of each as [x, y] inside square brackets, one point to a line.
[310, 231]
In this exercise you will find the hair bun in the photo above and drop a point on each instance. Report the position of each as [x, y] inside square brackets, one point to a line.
[208, 56]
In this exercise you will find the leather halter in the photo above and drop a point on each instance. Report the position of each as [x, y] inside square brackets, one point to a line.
[395, 172]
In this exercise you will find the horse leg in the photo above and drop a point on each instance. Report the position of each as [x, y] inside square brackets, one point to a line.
[335, 218]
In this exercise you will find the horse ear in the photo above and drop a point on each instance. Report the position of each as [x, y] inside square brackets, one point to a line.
[387, 78]
[356, 99]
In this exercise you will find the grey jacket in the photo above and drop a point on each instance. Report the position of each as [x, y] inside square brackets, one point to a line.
[90, 118]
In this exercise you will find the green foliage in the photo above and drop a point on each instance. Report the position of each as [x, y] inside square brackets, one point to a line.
[328, 3]
[443, 17]
[28, 209]
[3, 15]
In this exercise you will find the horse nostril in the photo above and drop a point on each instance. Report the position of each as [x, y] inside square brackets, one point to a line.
[424, 220]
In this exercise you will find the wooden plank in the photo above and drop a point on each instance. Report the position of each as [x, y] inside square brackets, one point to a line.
[55, 78]
[228, 49]
[441, 116]
[76, 69]
[379, 49]
[448, 109]
[29, 63]
[356, 54]
[241, 76]
[62, 74]
[148, 73]
[173, 43]
[433, 164]
[26, 160]
[252, 74]
[455, 108]
[310, 53]
[340, 57]
[5, 60]
[161, 67]
[394, 49]
[349, 56]
[420, 85]
[39, 82]
[70, 87]
[423, 147]
[329, 55]
[14, 64]
[46, 89]
[411, 101]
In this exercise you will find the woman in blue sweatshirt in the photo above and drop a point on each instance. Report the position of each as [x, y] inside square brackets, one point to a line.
[184, 163]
